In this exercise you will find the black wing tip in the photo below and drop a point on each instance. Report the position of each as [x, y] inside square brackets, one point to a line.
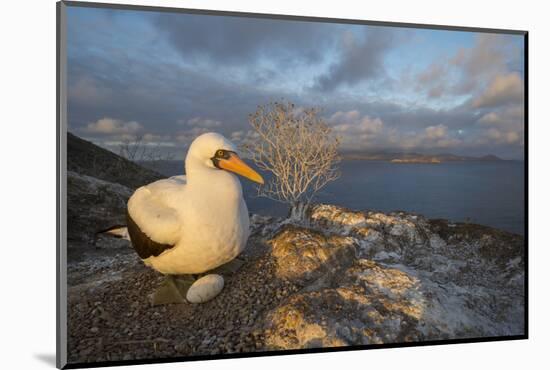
[143, 245]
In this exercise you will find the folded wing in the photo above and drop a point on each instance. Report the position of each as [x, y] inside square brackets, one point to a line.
[153, 225]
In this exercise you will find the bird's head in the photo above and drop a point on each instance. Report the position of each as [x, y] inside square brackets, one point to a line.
[216, 152]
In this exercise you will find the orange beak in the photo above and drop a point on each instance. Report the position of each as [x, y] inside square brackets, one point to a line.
[236, 165]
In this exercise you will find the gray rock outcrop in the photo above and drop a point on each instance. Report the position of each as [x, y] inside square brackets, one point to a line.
[411, 279]
[86, 158]
[325, 277]
[93, 205]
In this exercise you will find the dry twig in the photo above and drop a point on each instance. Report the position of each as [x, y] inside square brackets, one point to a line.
[297, 147]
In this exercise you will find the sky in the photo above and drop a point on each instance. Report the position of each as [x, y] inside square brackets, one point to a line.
[168, 77]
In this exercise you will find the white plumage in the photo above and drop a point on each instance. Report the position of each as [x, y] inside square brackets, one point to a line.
[202, 215]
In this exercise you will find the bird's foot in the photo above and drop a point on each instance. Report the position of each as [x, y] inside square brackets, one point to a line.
[177, 288]
[173, 289]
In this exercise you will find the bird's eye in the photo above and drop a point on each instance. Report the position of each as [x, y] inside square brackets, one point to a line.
[220, 153]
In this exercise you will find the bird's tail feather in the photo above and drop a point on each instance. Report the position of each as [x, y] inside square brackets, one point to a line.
[117, 231]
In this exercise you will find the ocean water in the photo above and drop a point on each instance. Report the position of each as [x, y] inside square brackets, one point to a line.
[487, 193]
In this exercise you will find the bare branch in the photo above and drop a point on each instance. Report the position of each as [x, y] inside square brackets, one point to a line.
[137, 150]
[297, 147]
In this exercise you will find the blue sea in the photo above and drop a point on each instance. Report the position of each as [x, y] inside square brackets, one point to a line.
[487, 193]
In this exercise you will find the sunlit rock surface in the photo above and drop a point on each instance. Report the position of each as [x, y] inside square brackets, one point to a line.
[303, 254]
[408, 279]
[334, 278]
[324, 277]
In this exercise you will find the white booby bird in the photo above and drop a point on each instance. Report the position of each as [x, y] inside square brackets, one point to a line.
[194, 223]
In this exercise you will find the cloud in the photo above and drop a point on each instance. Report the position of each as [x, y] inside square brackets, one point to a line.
[86, 90]
[434, 80]
[436, 132]
[356, 130]
[504, 136]
[207, 73]
[432, 137]
[503, 89]
[361, 59]
[187, 136]
[237, 40]
[242, 136]
[237, 135]
[113, 126]
[119, 143]
[359, 131]
[486, 58]
[511, 116]
[469, 69]
[201, 122]
[150, 139]
[503, 126]
[352, 122]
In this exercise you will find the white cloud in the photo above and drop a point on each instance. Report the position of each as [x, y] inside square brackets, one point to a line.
[150, 139]
[355, 130]
[241, 136]
[490, 118]
[431, 137]
[466, 71]
[506, 119]
[200, 122]
[503, 89]
[351, 122]
[504, 137]
[111, 126]
[87, 91]
[503, 126]
[187, 136]
[364, 132]
[237, 135]
[436, 132]
[485, 59]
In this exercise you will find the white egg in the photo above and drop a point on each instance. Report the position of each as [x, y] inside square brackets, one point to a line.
[204, 289]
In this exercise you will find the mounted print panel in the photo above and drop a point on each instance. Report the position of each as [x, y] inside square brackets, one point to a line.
[236, 184]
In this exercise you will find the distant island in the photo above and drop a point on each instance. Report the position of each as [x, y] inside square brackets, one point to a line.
[418, 158]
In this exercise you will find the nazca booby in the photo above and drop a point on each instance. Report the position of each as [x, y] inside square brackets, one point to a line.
[194, 223]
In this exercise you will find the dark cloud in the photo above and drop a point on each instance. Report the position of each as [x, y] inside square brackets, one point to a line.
[232, 40]
[173, 102]
[361, 58]
[218, 69]
[433, 80]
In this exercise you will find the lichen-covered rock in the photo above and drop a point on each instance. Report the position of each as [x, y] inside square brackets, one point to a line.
[412, 280]
[303, 254]
[332, 278]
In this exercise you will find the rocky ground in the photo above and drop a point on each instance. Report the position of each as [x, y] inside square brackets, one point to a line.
[111, 316]
[325, 277]
[335, 278]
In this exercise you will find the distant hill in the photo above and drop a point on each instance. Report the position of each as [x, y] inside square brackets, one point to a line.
[88, 159]
[417, 158]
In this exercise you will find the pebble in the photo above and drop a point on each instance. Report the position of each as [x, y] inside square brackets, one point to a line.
[123, 312]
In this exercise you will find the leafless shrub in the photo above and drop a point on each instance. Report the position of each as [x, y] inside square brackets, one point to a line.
[297, 147]
[136, 150]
